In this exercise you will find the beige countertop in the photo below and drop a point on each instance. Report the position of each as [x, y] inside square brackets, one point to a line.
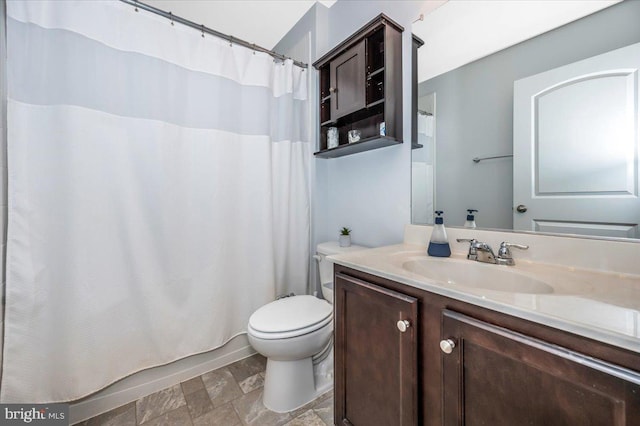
[600, 305]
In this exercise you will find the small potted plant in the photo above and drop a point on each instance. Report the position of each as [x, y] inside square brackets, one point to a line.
[345, 237]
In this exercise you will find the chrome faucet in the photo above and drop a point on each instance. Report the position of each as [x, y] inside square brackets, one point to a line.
[482, 252]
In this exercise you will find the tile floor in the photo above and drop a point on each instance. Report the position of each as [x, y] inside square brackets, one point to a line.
[229, 396]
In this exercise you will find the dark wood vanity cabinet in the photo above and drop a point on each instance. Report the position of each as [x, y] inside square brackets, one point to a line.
[361, 89]
[376, 355]
[496, 376]
[474, 366]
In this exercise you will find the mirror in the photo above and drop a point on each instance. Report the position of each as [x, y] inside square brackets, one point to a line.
[585, 141]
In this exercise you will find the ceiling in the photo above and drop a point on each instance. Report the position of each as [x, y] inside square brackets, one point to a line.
[263, 22]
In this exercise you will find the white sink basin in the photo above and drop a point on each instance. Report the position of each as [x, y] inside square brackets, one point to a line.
[471, 274]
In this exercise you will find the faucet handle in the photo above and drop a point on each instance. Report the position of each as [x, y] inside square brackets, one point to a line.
[473, 247]
[505, 253]
[466, 240]
[507, 245]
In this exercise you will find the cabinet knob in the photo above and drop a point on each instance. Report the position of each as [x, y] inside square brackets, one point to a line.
[521, 208]
[332, 89]
[403, 325]
[447, 345]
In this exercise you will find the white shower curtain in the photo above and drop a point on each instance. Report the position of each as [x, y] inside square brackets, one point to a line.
[158, 193]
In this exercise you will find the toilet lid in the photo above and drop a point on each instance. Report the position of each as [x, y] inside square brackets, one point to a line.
[290, 313]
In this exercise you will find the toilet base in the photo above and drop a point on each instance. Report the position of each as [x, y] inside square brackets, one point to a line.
[288, 385]
[323, 372]
[297, 382]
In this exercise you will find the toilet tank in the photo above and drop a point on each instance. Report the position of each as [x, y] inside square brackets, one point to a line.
[326, 267]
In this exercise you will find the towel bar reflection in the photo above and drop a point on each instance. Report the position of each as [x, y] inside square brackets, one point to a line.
[478, 159]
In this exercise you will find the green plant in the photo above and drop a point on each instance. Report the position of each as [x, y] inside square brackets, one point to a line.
[345, 231]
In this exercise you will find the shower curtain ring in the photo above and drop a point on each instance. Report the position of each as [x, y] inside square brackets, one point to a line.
[136, 7]
[230, 41]
[171, 18]
[253, 47]
[202, 30]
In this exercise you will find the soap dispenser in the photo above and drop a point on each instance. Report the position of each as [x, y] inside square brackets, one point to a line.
[471, 219]
[439, 244]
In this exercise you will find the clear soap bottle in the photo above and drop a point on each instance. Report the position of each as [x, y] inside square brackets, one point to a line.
[439, 243]
[471, 219]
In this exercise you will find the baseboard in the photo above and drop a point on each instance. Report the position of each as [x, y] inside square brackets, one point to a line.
[154, 379]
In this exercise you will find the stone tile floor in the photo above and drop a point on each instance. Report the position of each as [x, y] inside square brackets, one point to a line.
[228, 396]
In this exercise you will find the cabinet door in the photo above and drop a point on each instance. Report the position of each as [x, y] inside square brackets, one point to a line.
[375, 362]
[348, 82]
[495, 376]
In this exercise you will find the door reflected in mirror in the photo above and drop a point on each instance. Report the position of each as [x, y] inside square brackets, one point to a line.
[575, 147]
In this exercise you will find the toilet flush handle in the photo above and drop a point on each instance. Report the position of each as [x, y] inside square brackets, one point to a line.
[317, 257]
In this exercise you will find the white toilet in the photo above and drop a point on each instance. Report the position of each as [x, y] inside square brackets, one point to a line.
[295, 335]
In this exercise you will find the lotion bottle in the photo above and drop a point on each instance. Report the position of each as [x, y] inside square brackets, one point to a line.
[471, 219]
[439, 244]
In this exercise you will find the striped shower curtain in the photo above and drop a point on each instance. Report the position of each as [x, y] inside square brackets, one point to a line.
[158, 193]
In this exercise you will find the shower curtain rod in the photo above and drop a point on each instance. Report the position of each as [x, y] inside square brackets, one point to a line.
[173, 18]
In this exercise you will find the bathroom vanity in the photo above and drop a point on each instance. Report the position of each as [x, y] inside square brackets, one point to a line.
[424, 341]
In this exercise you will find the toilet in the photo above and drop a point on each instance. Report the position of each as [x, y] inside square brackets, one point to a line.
[295, 335]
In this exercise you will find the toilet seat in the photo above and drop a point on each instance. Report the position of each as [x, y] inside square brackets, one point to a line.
[290, 317]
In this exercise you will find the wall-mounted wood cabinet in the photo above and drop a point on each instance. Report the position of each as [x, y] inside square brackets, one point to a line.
[361, 89]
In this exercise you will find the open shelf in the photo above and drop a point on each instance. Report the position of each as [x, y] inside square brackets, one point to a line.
[375, 89]
[374, 73]
[325, 97]
[362, 145]
[375, 50]
[376, 103]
